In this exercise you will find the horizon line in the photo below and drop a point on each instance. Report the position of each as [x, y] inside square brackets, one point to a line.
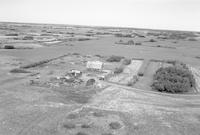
[102, 26]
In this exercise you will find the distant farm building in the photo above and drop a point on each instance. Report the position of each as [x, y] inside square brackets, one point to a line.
[76, 73]
[96, 65]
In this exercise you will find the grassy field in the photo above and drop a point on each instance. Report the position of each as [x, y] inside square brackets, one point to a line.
[106, 47]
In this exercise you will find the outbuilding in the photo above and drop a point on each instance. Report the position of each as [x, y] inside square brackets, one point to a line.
[96, 65]
[75, 72]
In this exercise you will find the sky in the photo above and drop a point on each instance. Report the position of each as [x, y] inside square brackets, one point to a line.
[153, 14]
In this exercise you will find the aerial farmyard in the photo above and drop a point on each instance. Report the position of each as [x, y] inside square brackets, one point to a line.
[80, 80]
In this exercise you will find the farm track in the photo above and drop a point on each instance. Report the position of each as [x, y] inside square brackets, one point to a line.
[189, 96]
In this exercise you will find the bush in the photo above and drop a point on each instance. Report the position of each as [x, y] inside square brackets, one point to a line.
[115, 125]
[174, 79]
[72, 116]
[97, 55]
[138, 43]
[85, 126]
[75, 53]
[126, 62]
[28, 38]
[123, 35]
[133, 80]
[170, 61]
[158, 46]
[19, 70]
[152, 40]
[107, 134]
[118, 70]
[140, 73]
[192, 39]
[83, 39]
[98, 114]
[81, 133]
[12, 34]
[114, 58]
[69, 126]
[9, 47]
[198, 57]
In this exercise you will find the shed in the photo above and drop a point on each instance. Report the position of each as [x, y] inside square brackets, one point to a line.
[75, 72]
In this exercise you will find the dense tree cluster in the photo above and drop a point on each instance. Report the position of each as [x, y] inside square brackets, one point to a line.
[174, 79]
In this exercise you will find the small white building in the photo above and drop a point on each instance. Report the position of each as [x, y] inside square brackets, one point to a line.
[76, 72]
[97, 65]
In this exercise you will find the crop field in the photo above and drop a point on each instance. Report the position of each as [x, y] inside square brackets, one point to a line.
[47, 88]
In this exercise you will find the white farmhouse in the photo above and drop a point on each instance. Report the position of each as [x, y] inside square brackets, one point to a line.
[96, 65]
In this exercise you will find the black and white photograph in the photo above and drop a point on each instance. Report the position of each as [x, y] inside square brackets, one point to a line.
[99, 67]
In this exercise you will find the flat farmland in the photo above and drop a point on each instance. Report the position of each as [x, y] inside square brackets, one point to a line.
[106, 46]
[42, 93]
